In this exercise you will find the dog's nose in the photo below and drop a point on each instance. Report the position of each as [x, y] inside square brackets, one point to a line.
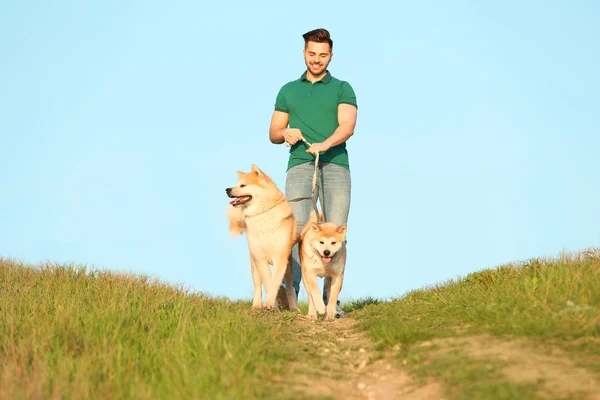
[326, 253]
[228, 190]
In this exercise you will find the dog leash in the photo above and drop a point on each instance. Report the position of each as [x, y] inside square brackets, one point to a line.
[314, 180]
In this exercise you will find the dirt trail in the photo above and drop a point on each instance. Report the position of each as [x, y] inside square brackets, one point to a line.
[346, 366]
[549, 368]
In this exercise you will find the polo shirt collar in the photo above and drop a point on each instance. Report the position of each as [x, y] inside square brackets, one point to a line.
[326, 79]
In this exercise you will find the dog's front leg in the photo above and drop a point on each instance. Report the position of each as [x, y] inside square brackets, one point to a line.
[312, 311]
[257, 299]
[332, 295]
[313, 288]
[279, 267]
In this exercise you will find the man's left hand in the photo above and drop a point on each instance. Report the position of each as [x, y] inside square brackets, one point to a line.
[317, 148]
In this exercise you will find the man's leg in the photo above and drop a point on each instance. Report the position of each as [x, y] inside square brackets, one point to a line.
[334, 194]
[298, 183]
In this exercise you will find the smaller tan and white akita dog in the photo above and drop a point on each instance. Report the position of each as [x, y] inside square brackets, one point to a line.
[261, 210]
[322, 253]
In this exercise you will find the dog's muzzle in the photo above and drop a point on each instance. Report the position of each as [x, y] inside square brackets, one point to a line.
[237, 200]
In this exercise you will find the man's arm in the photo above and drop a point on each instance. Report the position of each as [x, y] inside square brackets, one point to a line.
[279, 123]
[346, 123]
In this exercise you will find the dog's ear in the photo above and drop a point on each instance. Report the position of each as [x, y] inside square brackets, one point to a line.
[341, 229]
[256, 170]
[315, 227]
[241, 174]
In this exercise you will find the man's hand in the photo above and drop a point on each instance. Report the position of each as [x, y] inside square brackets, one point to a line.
[317, 148]
[292, 136]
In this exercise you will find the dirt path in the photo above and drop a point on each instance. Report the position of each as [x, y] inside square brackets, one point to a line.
[549, 368]
[346, 366]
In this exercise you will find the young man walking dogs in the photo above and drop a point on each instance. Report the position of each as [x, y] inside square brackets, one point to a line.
[321, 109]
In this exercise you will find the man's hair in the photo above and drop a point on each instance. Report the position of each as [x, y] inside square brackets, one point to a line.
[318, 35]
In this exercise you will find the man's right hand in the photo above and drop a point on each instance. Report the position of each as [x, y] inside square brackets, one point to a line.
[292, 136]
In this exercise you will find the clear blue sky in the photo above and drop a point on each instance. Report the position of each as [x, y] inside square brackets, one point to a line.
[121, 124]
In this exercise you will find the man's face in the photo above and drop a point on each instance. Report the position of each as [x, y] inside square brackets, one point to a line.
[317, 57]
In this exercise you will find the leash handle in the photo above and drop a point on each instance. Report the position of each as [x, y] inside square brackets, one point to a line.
[314, 179]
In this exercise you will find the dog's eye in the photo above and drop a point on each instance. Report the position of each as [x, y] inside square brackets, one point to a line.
[332, 243]
[242, 185]
[322, 242]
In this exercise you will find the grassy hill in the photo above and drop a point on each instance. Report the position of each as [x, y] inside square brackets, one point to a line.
[485, 335]
[524, 330]
[66, 331]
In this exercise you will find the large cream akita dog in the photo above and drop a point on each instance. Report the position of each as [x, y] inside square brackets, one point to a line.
[261, 210]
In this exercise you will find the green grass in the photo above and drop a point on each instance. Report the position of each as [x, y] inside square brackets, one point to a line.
[70, 332]
[467, 378]
[543, 298]
[67, 332]
[551, 301]
[359, 304]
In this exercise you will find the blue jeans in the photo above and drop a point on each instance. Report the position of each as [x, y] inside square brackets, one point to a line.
[333, 194]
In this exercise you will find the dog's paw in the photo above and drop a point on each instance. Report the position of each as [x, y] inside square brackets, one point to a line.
[237, 225]
[268, 306]
[295, 309]
[311, 316]
[320, 306]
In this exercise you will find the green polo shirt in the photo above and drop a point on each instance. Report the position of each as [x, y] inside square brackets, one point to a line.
[313, 108]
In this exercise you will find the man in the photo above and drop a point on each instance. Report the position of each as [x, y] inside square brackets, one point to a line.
[321, 109]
